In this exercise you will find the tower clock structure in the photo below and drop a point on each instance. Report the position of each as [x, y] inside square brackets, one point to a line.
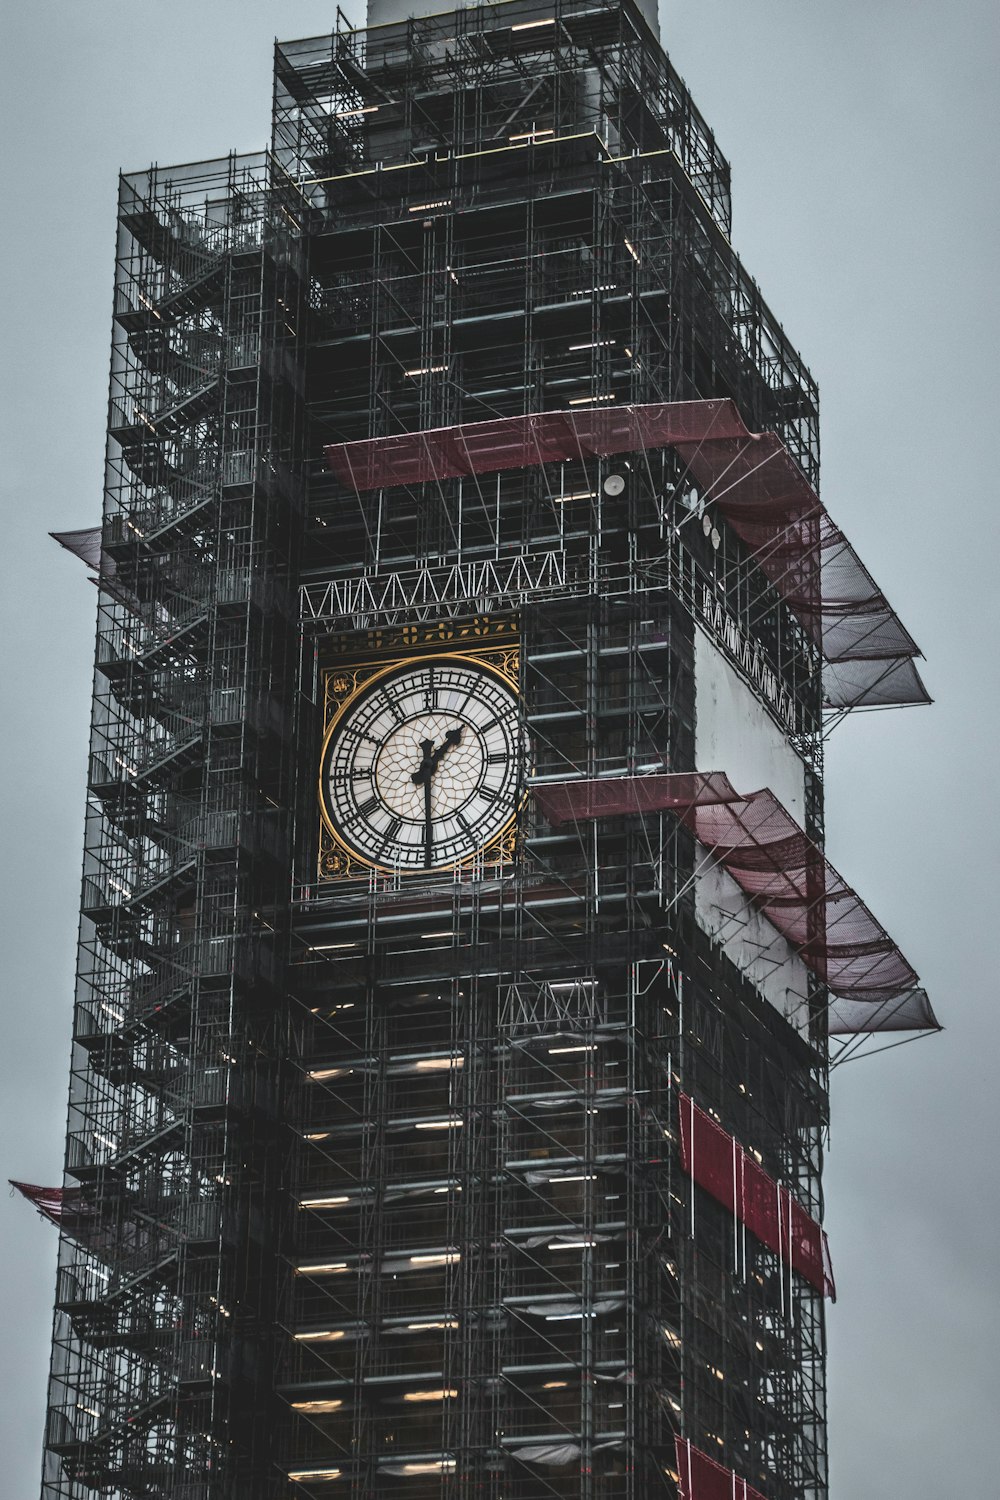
[459, 963]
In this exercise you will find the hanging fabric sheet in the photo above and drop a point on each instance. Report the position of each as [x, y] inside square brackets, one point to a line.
[701, 1478]
[717, 1162]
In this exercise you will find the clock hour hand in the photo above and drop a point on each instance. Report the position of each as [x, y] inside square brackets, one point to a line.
[432, 758]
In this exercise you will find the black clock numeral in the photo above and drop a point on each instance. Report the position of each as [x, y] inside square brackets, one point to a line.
[354, 734]
[362, 773]
[430, 691]
[394, 708]
[365, 809]
[489, 793]
[496, 758]
[390, 835]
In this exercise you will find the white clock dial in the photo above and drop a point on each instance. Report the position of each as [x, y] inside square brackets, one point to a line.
[420, 769]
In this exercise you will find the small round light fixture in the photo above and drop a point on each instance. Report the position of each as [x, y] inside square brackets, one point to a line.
[614, 485]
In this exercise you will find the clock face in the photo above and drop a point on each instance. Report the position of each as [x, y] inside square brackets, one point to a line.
[420, 768]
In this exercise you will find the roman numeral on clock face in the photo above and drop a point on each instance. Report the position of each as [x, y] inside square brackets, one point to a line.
[353, 736]
[366, 808]
[394, 708]
[391, 835]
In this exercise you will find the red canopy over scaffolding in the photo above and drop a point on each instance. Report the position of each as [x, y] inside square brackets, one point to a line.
[701, 1478]
[786, 877]
[751, 479]
[717, 1162]
[110, 1236]
[52, 1203]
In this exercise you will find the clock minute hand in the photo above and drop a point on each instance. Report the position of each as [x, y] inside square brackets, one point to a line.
[428, 824]
[422, 777]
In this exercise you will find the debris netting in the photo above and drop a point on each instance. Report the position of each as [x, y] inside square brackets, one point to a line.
[907, 1012]
[750, 477]
[717, 1162]
[84, 544]
[782, 872]
[868, 653]
[872, 684]
[701, 1478]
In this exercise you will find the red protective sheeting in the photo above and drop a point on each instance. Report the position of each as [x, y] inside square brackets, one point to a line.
[109, 1233]
[614, 796]
[717, 1162]
[519, 442]
[701, 1478]
[751, 479]
[52, 1203]
[769, 856]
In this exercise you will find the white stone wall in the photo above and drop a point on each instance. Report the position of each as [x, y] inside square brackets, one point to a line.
[735, 733]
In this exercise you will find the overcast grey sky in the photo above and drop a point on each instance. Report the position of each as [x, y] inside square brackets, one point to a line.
[863, 136]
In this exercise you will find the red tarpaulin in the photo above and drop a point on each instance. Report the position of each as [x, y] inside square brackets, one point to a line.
[613, 796]
[790, 881]
[717, 1162]
[750, 478]
[52, 1203]
[121, 1233]
[701, 1478]
[518, 442]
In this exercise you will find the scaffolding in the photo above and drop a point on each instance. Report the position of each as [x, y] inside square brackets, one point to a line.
[376, 1180]
[164, 1306]
[491, 1066]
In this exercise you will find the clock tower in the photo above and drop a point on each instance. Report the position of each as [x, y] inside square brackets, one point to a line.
[460, 963]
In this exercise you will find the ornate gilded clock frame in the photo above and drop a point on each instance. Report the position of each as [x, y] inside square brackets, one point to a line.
[350, 664]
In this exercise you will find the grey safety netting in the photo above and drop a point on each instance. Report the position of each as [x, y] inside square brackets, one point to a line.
[868, 653]
[84, 544]
[910, 1011]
